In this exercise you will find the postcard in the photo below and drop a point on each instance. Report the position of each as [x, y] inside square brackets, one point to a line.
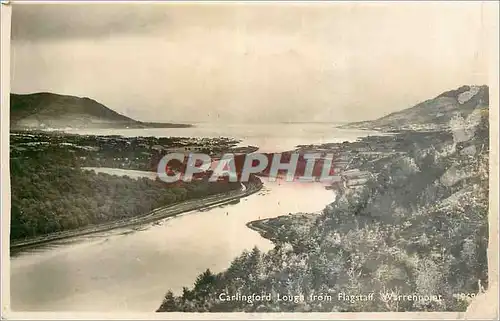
[249, 160]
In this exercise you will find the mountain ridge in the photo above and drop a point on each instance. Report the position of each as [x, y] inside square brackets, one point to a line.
[434, 113]
[49, 110]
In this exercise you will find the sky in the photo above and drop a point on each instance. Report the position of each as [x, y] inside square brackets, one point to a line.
[249, 62]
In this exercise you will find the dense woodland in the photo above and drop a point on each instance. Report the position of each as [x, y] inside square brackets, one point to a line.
[419, 226]
[50, 193]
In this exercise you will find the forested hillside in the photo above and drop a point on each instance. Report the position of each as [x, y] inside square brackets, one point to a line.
[418, 226]
[52, 194]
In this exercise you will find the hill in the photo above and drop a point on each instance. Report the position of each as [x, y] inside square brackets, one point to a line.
[48, 110]
[434, 113]
[413, 237]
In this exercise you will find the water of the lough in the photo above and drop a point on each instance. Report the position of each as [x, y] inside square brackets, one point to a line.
[131, 269]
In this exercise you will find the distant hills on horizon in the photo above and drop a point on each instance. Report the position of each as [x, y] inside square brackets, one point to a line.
[53, 111]
[434, 113]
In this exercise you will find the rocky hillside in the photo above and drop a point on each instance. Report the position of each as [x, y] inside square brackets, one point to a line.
[433, 113]
[48, 110]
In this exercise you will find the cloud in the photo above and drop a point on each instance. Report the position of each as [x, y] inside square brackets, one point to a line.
[42, 22]
[249, 62]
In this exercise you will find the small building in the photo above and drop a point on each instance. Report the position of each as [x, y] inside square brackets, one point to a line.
[184, 149]
[158, 147]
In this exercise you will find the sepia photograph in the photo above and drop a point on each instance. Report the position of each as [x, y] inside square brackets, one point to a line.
[254, 158]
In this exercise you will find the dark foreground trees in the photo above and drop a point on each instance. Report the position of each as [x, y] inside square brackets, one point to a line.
[48, 196]
[419, 226]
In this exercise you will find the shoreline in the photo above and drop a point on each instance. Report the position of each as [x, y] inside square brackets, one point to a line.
[268, 231]
[155, 215]
[260, 227]
[172, 210]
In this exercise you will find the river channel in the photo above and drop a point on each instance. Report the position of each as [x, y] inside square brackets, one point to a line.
[131, 269]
